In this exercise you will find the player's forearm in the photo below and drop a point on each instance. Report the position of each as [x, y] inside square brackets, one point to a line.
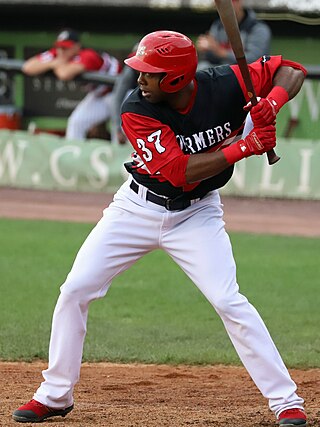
[68, 71]
[286, 84]
[205, 165]
[33, 67]
[290, 79]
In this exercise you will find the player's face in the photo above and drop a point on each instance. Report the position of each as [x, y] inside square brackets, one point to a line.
[67, 52]
[149, 86]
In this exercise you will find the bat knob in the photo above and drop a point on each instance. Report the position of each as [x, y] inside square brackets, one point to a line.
[272, 157]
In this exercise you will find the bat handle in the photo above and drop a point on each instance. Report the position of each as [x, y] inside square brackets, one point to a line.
[272, 157]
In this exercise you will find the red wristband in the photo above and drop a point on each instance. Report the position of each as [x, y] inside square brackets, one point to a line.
[280, 95]
[233, 153]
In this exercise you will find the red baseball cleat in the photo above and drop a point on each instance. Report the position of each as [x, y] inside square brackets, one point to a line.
[35, 412]
[292, 417]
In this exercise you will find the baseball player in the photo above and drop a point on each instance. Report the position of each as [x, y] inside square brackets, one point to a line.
[185, 127]
[67, 59]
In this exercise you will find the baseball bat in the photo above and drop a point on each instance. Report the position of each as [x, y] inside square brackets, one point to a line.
[231, 26]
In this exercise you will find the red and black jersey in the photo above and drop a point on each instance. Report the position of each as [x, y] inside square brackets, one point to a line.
[164, 138]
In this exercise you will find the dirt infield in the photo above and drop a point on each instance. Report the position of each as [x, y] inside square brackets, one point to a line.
[159, 396]
[293, 217]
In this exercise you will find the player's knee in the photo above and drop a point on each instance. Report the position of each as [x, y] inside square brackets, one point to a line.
[83, 290]
[73, 293]
[222, 305]
[229, 306]
[75, 288]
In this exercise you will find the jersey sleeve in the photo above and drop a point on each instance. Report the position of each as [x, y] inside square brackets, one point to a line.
[156, 146]
[262, 73]
[90, 59]
[47, 56]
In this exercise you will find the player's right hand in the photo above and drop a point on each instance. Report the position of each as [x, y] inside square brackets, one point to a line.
[264, 113]
[258, 141]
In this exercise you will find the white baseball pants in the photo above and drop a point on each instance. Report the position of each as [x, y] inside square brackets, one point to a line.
[197, 241]
[92, 110]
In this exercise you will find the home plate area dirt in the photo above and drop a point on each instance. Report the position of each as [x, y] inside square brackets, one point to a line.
[137, 395]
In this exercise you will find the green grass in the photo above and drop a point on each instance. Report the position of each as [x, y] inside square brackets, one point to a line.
[153, 313]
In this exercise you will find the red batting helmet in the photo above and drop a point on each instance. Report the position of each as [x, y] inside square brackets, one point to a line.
[166, 52]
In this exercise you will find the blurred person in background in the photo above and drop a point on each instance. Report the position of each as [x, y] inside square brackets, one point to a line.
[214, 47]
[124, 85]
[67, 59]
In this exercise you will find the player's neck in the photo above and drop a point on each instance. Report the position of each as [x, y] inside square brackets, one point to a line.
[181, 100]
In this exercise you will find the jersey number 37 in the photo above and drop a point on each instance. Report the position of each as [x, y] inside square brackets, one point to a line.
[153, 138]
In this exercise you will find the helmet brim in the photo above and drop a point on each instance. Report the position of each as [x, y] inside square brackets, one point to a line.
[138, 65]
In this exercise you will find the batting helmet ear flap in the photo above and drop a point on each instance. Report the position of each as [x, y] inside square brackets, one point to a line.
[172, 83]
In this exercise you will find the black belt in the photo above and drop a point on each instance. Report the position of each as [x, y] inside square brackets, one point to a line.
[177, 204]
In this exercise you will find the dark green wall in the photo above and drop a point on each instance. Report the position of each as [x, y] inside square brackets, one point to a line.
[301, 48]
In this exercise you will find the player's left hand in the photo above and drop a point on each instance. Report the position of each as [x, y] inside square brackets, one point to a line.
[259, 141]
[264, 113]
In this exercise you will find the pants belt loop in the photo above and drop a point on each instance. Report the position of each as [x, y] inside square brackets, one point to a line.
[194, 201]
[142, 192]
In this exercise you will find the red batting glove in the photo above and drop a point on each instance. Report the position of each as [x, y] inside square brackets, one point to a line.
[264, 113]
[257, 142]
